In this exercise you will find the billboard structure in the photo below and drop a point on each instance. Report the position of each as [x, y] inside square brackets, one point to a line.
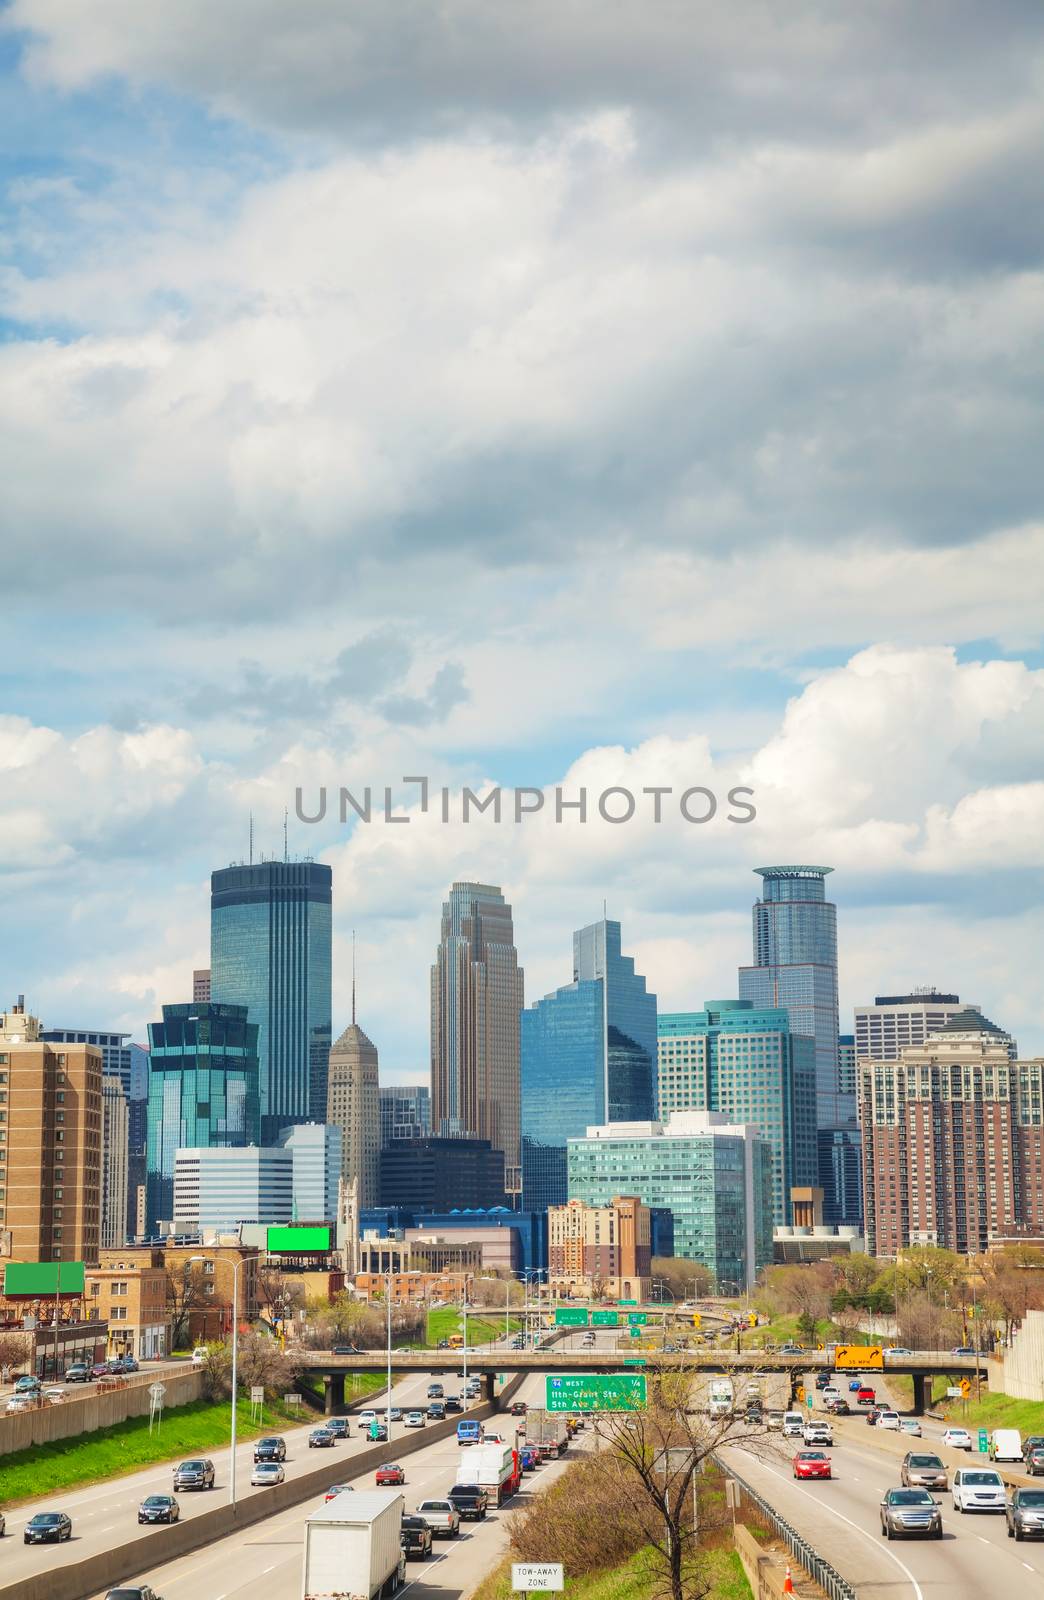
[39, 1280]
[295, 1240]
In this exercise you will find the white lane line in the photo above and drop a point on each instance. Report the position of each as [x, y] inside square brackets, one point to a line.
[1028, 1567]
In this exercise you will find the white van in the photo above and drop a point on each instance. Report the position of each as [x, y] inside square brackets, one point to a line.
[199, 1355]
[793, 1425]
[1006, 1445]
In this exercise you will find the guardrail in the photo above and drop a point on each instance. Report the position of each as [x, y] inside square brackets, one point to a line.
[817, 1566]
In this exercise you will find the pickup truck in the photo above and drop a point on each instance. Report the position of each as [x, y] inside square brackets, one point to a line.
[441, 1516]
[471, 1501]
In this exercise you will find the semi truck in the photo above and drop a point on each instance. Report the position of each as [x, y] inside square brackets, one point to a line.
[493, 1467]
[353, 1546]
[547, 1431]
[720, 1397]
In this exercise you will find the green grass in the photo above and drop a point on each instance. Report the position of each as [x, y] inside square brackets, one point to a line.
[189, 1430]
[634, 1579]
[481, 1328]
[997, 1411]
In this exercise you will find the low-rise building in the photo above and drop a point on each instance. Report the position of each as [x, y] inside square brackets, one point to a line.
[597, 1250]
[128, 1290]
[409, 1288]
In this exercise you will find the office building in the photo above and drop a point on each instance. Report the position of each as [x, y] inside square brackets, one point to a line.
[526, 1245]
[353, 1105]
[115, 1051]
[476, 998]
[270, 950]
[952, 1141]
[129, 1292]
[846, 1063]
[588, 1056]
[883, 1030]
[203, 1092]
[596, 1251]
[50, 1143]
[745, 1062]
[442, 1174]
[114, 1166]
[315, 1148]
[201, 984]
[215, 1190]
[137, 1134]
[715, 1177]
[405, 1112]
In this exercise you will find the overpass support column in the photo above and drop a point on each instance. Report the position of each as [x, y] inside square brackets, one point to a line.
[489, 1386]
[921, 1392]
[333, 1386]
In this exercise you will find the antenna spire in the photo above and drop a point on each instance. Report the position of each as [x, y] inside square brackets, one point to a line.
[286, 849]
[353, 977]
[251, 838]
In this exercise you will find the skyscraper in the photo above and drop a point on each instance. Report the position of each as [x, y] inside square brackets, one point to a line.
[203, 1092]
[270, 950]
[588, 1056]
[895, 1020]
[405, 1112]
[476, 999]
[353, 1106]
[114, 1168]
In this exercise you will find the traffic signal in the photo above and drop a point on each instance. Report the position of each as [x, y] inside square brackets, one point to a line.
[752, 1319]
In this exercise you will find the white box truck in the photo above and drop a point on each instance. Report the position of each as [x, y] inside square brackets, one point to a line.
[352, 1546]
[719, 1397]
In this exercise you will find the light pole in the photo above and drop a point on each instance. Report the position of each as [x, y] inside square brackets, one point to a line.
[464, 1309]
[387, 1405]
[235, 1368]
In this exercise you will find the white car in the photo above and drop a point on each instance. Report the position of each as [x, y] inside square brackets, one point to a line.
[199, 1355]
[888, 1420]
[818, 1433]
[910, 1425]
[21, 1402]
[413, 1419]
[978, 1489]
[367, 1419]
[54, 1396]
[265, 1473]
[957, 1438]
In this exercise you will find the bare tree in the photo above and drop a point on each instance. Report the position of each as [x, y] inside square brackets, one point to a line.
[685, 1279]
[805, 1291]
[14, 1350]
[186, 1292]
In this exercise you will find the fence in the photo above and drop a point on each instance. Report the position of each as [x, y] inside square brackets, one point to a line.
[815, 1565]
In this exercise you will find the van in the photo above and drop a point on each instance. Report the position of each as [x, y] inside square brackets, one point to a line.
[199, 1355]
[793, 1424]
[469, 1431]
[1006, 1444]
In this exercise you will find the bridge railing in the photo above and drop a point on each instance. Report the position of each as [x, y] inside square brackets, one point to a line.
[817, 1566]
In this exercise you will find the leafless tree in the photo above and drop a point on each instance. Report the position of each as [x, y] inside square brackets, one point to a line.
[683, 1277]
[186, 1292]
[14, 1350]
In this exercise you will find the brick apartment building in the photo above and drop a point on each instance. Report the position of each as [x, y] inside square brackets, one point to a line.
[604, 1249]
[128, 1290]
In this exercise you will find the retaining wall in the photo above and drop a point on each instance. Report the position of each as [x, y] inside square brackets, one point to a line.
[88, 1411]
[1024, 1360]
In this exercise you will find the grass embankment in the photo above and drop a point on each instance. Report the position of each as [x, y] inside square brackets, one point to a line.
[482, 1329]
[634, 1579]
[190, 1430]
[997, 1411]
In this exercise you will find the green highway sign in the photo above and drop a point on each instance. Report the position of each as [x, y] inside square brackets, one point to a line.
[636, 1333]
[617, 1391]
[984, 1443]
[570, 1316]
[635, 1361]
[634, 1317]
[605, 1319]
[627, 1302]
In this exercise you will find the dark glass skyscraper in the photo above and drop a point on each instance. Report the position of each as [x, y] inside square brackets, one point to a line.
[270, 950]
[203, 1091]
[588, 1057]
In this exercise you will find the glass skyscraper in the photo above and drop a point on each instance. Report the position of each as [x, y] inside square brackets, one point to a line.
[588, 1056]
[203, 1092]
[270, 950]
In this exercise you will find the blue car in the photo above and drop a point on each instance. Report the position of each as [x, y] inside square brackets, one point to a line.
[855, 1385]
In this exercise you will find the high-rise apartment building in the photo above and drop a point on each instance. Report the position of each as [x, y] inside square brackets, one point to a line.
[115, 1051]
[600, 1250]
[883, 1030]
[203, 1092]
[846, 1063]
[405, 1112]
[952, 1140]
[476, 998]
[270, 950]
[353, 1105]
[588, 1057]
[201, 984]
[745, 1062]
[129, 1064]
[114, 1165]
[715, 1177]
[50, 1144]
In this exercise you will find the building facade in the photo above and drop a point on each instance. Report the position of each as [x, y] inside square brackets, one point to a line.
[353, 1105]
[952, 1141]
[201, 984]
[115, 1158]
[883, 1030]
[128, 1290]
[715, 1177]
[315, 1150]
[600, 1251]
[442, 1174]
[203, 1092]
[270, 950]
[405, 1112]
[588, 1056]
[477, 994]
[215, 1190]
[745, 1062]
[525, 1244]
[50, 1144]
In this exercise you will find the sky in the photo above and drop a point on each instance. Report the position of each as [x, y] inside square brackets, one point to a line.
[549, 395]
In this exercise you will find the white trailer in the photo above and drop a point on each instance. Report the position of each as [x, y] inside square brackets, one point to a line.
[720, 1397]
[352, 1546]
[493, 1467]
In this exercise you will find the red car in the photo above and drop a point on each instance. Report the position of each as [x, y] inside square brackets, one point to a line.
[389, 1474]
[866, 1396]
[811, 1464]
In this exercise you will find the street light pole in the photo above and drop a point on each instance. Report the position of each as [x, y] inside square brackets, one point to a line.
[387, 1406]
[192, 1260]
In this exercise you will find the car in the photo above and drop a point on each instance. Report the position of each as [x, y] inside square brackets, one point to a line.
[47, 1527]
[130, 1365]
[978, 1489]
[831, 1392]
[377, 1433]
[865, 1396]
[793, 1424]
[789, 1349]
[470, 1500]
[22, 1402]
[27, 1384]
[898, 1350]
[838, 1408]
[338, 1488]
[529, 1458]
[339, 1427]
[199, 1355]
[273, 1448]
[1035, 1462]
[753, 1415]
[453, 1403]
[822, 1380]
[911, 1426]
[921, 1470]
[346, 1350]
[1025, 1514]
[390, 1473]
[1032, 1441]
[435, 1391]
[818, 1433]
[195, 1474]
[436, 1411]
[1005, 1444]
[159, 1508]
[321, 1439]
[266, 1473]
[519, 1408]
[101, 1369]
[957, 1438]
[910, 1513]
[415, 1537]
[395, 1414]
[811, 1464]
[441, 1516]
[413, 1419]
[854, 1385]
[962, 1350]
[136, 1591]
[366, 1419]
[871, 1415]
[79, 1372]
[888, 1420]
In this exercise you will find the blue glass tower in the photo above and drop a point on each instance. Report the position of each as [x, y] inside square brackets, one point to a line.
[270, 950]
[588, 1057]
[203, 1091]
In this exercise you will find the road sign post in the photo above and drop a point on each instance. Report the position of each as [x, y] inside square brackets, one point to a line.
[156, 1393]
[537, 1577]
[617, 1391]
[984, 1443]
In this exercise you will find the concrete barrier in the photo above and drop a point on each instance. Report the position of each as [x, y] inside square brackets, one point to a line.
[88, 1411]
[765, 1579]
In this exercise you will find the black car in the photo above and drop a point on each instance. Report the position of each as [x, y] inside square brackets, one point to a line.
[346, 1349]
[48, 1527]
[453, 1402]
[271, 1449]
[137, 1591]
[338, 1426]
[436, 1411]
[471, 1501]
[194, 1475]
[519, 1408]
[318, 1439]
[416, 1537]
[822, 1379]
[159, 1508]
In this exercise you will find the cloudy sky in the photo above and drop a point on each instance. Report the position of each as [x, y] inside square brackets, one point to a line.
[550, 394]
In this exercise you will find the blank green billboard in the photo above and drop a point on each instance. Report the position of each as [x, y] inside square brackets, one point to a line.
[43, 1277]
[298, 1241]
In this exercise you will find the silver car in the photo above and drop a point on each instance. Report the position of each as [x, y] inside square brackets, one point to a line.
[1025, 1514]
[910, 1513]
[266, 1473]
[441, 1516]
